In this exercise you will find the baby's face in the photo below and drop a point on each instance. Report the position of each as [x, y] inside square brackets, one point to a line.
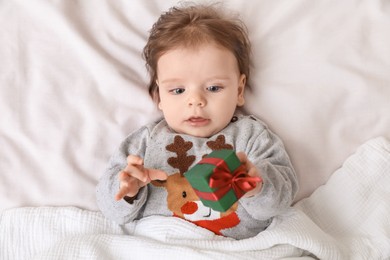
[199, 89]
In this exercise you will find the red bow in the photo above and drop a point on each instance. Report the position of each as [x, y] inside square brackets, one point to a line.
[224, 180]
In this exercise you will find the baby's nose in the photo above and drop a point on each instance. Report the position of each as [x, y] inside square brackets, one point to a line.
[197, 100]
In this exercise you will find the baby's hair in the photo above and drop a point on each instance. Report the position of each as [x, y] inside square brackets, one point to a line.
[191, 26]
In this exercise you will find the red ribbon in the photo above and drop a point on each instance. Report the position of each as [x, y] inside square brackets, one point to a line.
[224, 180]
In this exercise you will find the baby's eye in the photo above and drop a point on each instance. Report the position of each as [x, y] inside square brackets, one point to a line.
[177, 91]
[214, 88]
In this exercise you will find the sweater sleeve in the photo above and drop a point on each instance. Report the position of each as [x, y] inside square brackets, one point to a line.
[122, 211]
[280, 183]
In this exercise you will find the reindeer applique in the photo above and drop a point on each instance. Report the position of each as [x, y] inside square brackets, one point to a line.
[182, 200]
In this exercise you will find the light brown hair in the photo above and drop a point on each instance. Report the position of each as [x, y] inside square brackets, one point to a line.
[191, 26]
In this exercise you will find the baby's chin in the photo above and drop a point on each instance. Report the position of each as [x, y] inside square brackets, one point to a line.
[199, 132]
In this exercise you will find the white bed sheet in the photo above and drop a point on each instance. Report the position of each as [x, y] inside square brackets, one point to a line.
[73, 85]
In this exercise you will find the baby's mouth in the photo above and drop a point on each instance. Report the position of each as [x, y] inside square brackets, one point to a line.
[198, 121]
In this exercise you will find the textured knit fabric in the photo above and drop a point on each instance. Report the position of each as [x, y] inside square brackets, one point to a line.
[161, 148]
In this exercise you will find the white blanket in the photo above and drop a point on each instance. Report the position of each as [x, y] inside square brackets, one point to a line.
[347, 218]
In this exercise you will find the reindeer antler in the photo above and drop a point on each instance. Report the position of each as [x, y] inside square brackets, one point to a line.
[219, 144]
[182, 161]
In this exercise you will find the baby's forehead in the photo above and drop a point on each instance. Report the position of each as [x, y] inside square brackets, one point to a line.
[208, 58]
[195, 47]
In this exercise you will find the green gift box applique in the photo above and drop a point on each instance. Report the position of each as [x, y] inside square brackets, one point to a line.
[220, 180]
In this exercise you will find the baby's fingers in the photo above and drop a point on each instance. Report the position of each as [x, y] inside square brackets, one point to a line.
[135, 168]
[243, 158]
[134, 160]
[157, 174]
[250, 167]
[137, 172]
[121, 194]
[128, 186]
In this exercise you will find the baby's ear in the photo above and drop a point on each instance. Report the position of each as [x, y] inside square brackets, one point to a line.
[156, 95]
[241, 90]
[156, 99]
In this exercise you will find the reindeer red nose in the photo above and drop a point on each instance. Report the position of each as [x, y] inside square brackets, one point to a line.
[189, 207]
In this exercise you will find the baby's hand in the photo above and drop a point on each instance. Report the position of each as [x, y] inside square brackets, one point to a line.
[135, 176]
[252, 171]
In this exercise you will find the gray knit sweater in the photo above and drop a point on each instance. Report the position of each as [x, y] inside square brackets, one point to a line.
[161, 148]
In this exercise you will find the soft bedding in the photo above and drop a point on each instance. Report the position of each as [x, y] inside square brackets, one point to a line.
[73, 85]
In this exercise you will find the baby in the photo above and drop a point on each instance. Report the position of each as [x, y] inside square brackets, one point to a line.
[198, 59]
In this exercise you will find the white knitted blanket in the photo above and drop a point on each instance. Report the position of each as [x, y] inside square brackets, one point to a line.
[348, 218]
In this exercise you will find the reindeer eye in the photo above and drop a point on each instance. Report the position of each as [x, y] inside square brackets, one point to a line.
[184, 194]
